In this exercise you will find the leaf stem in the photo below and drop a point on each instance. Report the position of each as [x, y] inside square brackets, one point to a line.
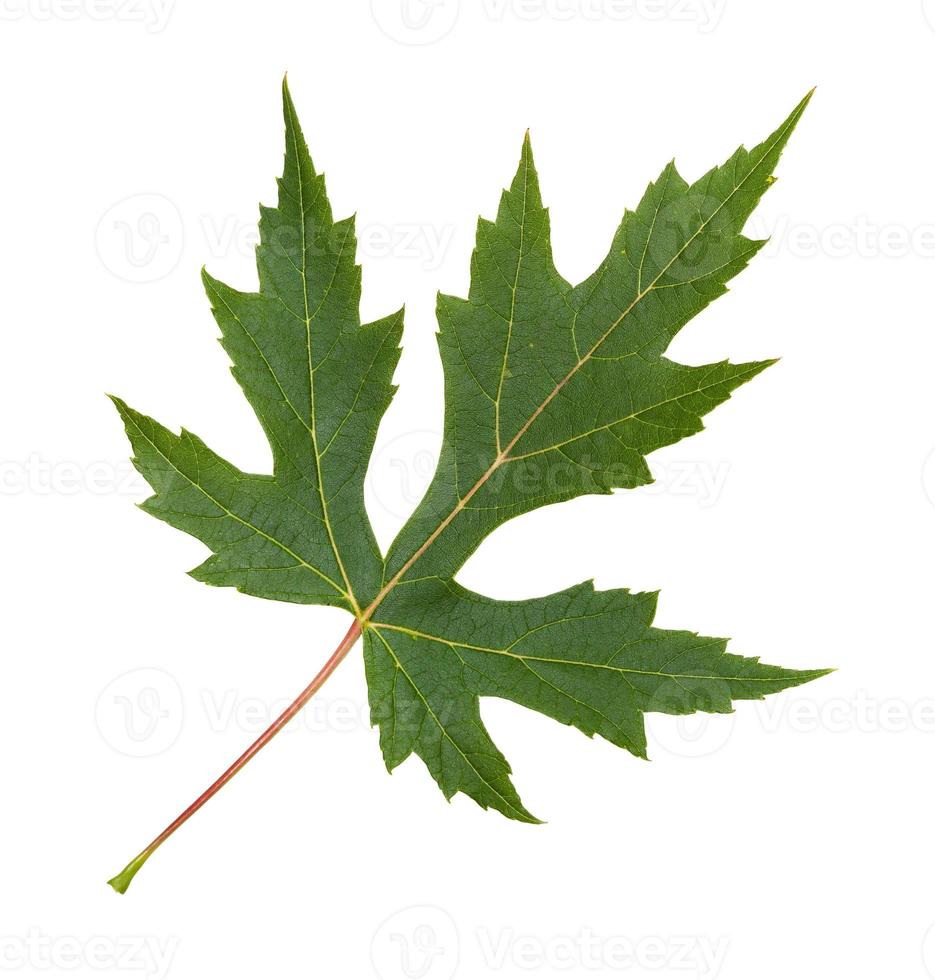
[121, 882]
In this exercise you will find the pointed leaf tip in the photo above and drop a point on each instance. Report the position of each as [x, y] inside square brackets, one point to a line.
[119, 404]
[288, 107]
[801, 107]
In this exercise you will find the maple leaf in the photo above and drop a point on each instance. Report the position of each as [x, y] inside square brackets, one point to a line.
[551, 391]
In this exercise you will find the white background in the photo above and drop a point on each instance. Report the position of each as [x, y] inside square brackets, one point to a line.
[791, 839]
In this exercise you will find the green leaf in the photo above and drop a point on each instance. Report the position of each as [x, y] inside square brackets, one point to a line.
[585, 658]
[319, 383]
[551, 391]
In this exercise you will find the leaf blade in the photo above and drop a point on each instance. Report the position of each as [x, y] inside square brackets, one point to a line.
[552, 391]
[319, 382]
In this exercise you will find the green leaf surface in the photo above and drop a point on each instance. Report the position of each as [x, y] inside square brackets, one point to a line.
[551, 391]
[319, 383]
